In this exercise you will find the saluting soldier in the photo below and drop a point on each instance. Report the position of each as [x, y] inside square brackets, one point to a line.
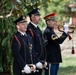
[53, 44]
[38, 42]
[22, 49]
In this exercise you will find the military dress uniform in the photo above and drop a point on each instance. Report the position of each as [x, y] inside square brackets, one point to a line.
[22, 51]
[53, 49]
[52, 46]
[38, 42]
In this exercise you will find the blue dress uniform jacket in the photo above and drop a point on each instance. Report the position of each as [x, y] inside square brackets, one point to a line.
[52, 47]
[38, 42]
[21, 53]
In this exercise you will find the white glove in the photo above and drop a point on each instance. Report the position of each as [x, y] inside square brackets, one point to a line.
[39, 65]
[66, 28]
[45, 64]
[33, 67]
[27, 69]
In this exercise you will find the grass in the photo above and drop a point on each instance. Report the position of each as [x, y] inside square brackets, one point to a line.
[68, 67]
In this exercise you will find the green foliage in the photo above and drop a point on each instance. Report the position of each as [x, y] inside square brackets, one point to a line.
[6, 26]
[68, 67]
[57, 6]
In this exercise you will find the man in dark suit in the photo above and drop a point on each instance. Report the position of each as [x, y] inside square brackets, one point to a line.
[22, 49]
[38, 42]
[52, 47]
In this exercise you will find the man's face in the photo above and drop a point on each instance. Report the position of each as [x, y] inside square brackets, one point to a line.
[51, 23]
[22, 27]
[36, 18]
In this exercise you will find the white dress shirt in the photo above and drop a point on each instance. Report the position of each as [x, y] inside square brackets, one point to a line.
[34, 24]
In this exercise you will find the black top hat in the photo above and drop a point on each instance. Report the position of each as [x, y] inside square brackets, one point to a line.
[20, 19]
[34, 11]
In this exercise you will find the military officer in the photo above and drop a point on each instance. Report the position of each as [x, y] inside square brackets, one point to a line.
[22, 49]
[38, 42]
[53, 44]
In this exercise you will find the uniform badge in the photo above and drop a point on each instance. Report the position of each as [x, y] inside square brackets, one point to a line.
[30, 46]
[54, 37]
